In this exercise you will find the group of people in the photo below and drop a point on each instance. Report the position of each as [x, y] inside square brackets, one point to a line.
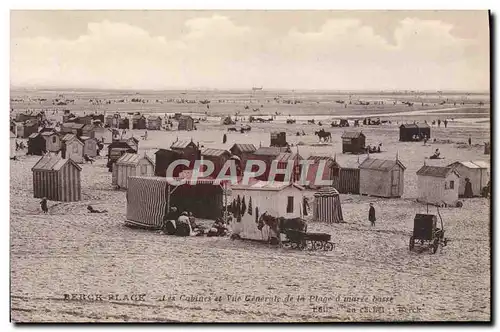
[184, 224]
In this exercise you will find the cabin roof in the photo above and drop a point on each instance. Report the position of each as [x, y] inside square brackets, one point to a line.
[53, 163]
[380, 164]
[34, 135]
[352, 134]
[268, 151]
[73, 125]
[317, 159]
[471, 164]
[48, 133]
[213, 152]
[284, 157]
[414, 125]
[132, 159]
[182, 144]
[326, 191]
[266, 186]
[244, 147]
[436, 171]
[68, 137]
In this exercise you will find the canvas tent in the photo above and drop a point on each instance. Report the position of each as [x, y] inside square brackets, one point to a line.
[327, 206]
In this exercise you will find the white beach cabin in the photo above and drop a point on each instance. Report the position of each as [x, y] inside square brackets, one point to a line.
[438, 185]
[131, 164]
[476, 171]
[278, 199]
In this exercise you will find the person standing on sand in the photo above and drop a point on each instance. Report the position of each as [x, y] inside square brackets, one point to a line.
[439, 122]
[43, 205]
[224, 139]
[470, 141]
[445, 123]
[371, 215]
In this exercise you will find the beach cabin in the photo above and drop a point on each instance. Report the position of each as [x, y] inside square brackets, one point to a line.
[139, 122]
[89, 146]
[36, 144]
[353, 142]
[487, 148]
[150, 198]
[13, 141]
[242, 151]
[163, 158]
[52, 141]
[131, 164]
[154, 123]
[476, 171]
[327, 206]
[188, 150]
[57, 179]
[133, 143]
[227, 121]
[414, 131]
[123, 123]
[278, 199]
[282, 161]
[186, 122]
[104, 135]
[25, 130]
[438, 185]
[89, 130]
[72, 148]
[330, 170]
[278, 139]
[218, 157]
[72, 128]
[13, 127]
[86, 120]
[381, 178]
[266, 154]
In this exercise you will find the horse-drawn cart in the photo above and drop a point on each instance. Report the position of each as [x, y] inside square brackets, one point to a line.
[313, 241]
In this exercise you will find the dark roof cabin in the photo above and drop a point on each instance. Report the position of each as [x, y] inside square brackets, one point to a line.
[72, 128]
[123, 123]
[27, 129]
[36, 144]
[188, 150]
[242, 151]
[139, 122]
[218, 157]
[186, 122]
[353, 142]
[266, 154]
[57, 179]
[154, 122]
[278, 139]
[88, 131]
[414, 131]
[163, 159]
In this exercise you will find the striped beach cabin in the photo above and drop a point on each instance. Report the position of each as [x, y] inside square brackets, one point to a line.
[131, 164]
[327, 206]
[57, 179]
[150, 198]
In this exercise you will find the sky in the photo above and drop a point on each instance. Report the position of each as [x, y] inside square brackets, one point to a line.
[313, 50]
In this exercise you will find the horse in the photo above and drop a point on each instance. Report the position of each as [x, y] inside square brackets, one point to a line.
[311, 121]
[280, 224]
[326, 136]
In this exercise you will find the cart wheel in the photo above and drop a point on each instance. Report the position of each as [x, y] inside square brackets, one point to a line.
[302, 245]
[435, 246]
[286, 244]
[412, 243]
[328, 246]
[318, 245]
[309, 245]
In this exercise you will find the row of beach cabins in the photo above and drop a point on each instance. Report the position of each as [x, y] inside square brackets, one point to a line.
[117, 121]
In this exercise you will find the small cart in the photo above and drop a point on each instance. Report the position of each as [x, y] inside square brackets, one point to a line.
[313, 241]
[426, 232]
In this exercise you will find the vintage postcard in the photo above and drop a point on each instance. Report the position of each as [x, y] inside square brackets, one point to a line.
[250, 166]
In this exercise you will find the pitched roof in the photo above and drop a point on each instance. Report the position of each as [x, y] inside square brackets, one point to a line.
[414, 125]
[317, 159]
[48, 133]
[380, 164]
[213, 152]
[284, 157]
[34, 135]
[471, 164]
[52, 163]
[326, 191]
[88, 127]
[68, 137]
[185, 117]
[72, 125]
[132, 159]
[266, 186]
[244, 147]
[436, 171]
[181, 144]
[267, 151]
[154, 117]
[86, 138]
[74, 139]
[352, 134]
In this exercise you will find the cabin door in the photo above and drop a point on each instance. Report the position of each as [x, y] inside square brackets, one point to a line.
[395, 182]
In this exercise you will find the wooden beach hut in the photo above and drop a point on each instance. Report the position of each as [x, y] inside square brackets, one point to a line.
[216, 156]
[72, 148]
[330, 170]
[89, 146]
[381, 178]
[36, 144]
[139, 122]
[123, 123]
[414, 131]
[57, 179]
[89, 130]
[243, 151]
[327, 206]
[52, 141]
[25, 130]
[186, 122]
[154, 122]
[346, 175]
[278, 199]
[278, 139]
[72, 128]
[266, 154]
[150, 198]
[163, 159]
[131, 164]
[353, 142]
[281, 162]
[438, 185]
[188, 150]
[476, 171]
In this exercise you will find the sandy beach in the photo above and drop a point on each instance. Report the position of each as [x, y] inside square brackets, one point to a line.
[370, 275]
